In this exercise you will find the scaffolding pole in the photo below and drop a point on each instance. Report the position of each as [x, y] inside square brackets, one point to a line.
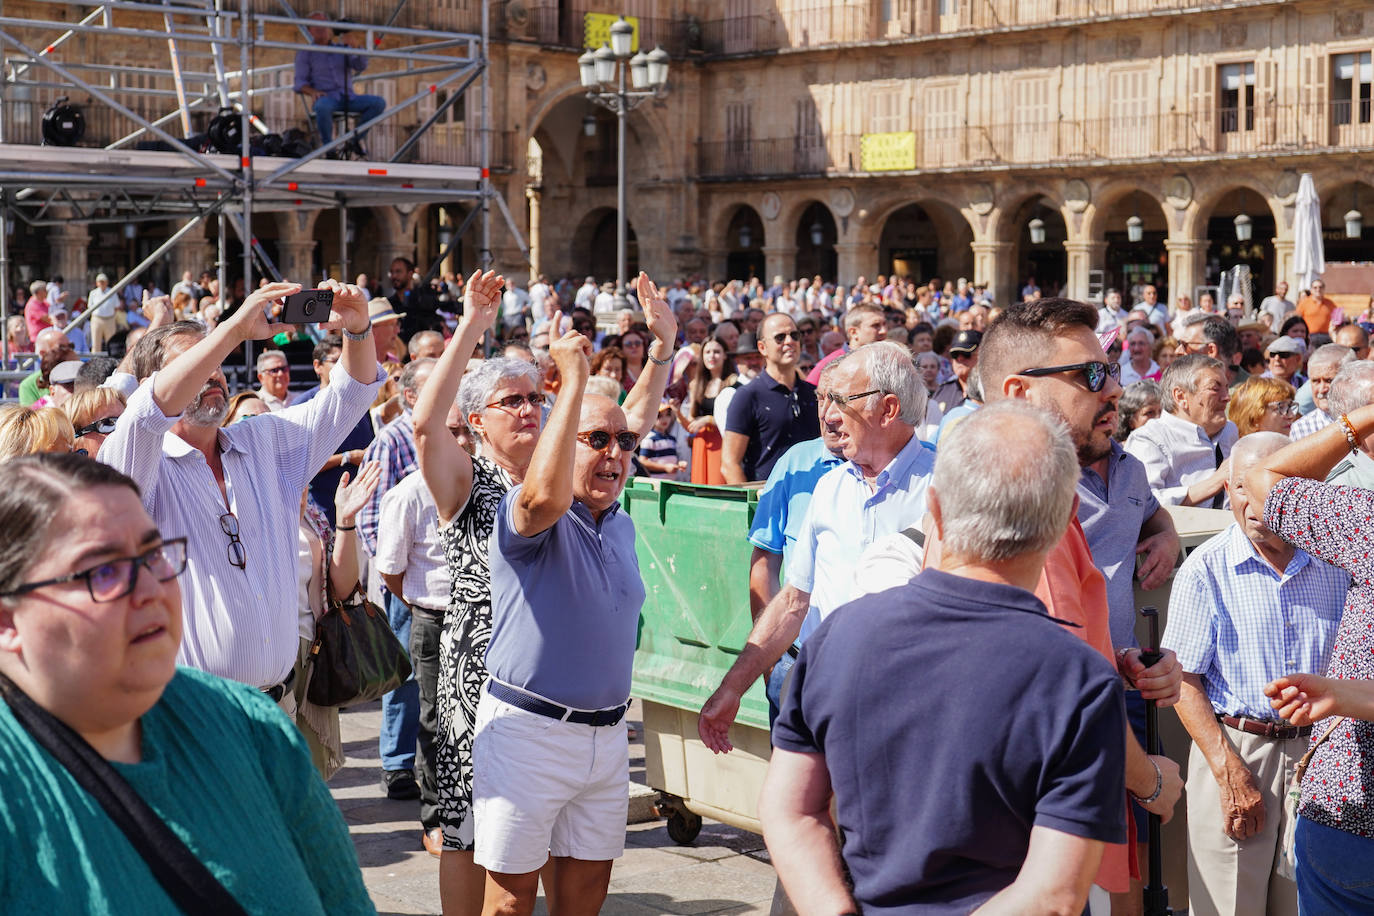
[485, 257]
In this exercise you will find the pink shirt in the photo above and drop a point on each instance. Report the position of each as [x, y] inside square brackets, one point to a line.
[36, 316]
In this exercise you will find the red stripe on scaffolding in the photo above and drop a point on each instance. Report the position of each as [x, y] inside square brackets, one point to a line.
[376, 171]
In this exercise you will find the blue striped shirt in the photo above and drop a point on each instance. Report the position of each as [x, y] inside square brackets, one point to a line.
[1239, 624]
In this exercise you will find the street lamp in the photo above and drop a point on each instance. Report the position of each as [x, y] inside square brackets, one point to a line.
[1354, 222]
[603, 76]
[1037, 231]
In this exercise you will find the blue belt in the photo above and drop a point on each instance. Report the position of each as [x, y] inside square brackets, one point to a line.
[521, 700]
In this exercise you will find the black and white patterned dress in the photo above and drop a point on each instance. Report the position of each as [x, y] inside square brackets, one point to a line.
[463, 646]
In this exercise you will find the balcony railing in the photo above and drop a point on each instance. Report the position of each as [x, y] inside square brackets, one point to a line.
[842, 22]
[1274, 129]
[567, 28]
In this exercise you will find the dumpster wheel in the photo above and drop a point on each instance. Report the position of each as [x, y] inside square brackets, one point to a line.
[683, 825]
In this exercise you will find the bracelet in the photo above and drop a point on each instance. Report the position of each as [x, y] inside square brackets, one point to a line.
[1159, 786]
[345, 527]
[358, 337]
[1350, 436]
[656, 361]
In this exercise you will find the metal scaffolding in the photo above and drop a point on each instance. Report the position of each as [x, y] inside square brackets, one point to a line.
[117, 183]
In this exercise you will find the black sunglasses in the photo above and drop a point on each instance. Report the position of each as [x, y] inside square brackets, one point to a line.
[113, 579]
[103, 426]
[598, 440]
[1095, 373]
[229, 524]
[779, 337]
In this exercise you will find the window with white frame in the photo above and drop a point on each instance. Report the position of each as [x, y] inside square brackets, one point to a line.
[1351, 78]
[1236, 98]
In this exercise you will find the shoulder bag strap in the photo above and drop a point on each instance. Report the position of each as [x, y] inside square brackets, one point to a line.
[184, 877]
[1301, 769]
[915, 535]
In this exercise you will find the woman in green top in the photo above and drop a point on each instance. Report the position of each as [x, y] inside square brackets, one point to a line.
[90, 622]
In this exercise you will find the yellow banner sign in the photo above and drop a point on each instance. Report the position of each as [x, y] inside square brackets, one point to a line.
[597, 29]
[888, 152]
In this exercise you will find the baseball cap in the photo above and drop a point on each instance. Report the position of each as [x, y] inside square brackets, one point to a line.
[64, 373]
[966, 341]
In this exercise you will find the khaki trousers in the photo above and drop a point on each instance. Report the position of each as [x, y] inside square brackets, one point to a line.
[102, 329]
[1226, 877]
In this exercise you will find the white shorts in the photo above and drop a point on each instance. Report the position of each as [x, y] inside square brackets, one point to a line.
[542, 787]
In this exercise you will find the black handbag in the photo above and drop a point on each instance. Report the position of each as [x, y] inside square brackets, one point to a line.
[356, 657]
[185, 878]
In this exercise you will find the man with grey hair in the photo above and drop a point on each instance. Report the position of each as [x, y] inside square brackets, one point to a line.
[425, 345]
[1140, 343]
[873, 401]
[1352, 388]
[1235, 601]
[1184, 450]
[1322, 367]
[274, 376]
[394, 450]
[1024, 831]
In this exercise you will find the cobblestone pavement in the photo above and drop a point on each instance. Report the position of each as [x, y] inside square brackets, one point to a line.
[724, 871]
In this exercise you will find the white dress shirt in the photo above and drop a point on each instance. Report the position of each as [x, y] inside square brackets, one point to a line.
[239, 623]
[1177, 453]
[273, 403]
[1129, 376]
[408, 544]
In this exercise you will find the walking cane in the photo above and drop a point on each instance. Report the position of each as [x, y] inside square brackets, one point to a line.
[1156, 894]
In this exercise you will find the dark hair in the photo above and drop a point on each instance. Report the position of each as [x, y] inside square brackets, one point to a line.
[151, 350]
[1252, 360]
[33, 489]
[1294, 321]
[94, 371]
[1222, 334]
[922, 327]
[326, 346]
[1021, 334]
[1134, 399]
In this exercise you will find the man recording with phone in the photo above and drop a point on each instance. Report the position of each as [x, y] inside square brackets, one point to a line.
[235, 492]
[325, 78]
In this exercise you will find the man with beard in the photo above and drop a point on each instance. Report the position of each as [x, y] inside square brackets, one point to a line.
[235, 492]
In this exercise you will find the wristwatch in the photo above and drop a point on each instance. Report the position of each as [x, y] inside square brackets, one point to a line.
[359, 337]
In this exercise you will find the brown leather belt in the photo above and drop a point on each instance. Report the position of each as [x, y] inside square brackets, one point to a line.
[1265, 728]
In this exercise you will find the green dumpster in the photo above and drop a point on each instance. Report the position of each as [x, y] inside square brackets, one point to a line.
[693, 547]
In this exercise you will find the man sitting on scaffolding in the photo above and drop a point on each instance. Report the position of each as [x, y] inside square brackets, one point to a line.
[325, 79]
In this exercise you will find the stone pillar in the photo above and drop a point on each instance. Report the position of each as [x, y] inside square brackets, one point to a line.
[779, 261]
[855, 259]
[716, 265]
[297, 259]
[1084, 255]
[992, 264]
[1283, 270]
[1186, 257]
[535, 213]
[68, 244]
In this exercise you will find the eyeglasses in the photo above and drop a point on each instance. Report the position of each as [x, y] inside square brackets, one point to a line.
[229, 524]
[782, 336]
[1282, 355]
[599, 440]
[839, 400]
[954, 355]
[516, 401]
[276, 370]
[113, 579]
[627, 343]
[103, 426]
[1194, 346]
[1283, 408]
[1095, 373]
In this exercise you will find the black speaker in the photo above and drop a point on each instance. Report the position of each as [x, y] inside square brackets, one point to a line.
[225, 132]
[63, 124]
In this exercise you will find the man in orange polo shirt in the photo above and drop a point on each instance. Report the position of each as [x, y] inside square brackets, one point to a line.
[1316, 310]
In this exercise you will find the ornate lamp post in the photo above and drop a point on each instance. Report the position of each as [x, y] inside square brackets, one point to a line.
[603, 76]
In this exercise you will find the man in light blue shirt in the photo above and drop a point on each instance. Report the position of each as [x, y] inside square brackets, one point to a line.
[1246, 607]
[873, 401]
[325, 78]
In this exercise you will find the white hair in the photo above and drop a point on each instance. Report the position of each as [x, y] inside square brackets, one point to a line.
[1017, 504]
[1142, 331]
[1352, 387]
[475, 391]
[1186, 373]
[266, 355]
[892, 370]
[1327, 357]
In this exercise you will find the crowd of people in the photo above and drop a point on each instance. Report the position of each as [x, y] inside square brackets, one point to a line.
[949, 485]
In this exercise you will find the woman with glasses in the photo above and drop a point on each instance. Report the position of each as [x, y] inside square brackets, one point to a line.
[1263, 404]
[90, 623]
[635, 350]
[501, 402]
[93, 413]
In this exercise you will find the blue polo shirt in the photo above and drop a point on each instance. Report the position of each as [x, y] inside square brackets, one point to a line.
[1112, 512]
[784, 498]
[775, 418]
[935, 812]
[565, 606]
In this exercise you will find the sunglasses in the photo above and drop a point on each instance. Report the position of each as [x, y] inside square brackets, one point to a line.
[103, 426]
[276, 370]
[516, 401]
[1095, 373]
[1282, 355]
[786, 335]
[113, 579]
[229, 524]
[599, 440]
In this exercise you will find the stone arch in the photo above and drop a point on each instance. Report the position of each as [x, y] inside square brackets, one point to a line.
[950, 234]
[1046, 261]
[724, 214]
[1195, 222]
[657, 160]
[590, 256]
[1105, 197]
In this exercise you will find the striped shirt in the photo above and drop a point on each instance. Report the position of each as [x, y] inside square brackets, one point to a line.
[239, 623]
[1310, 423]
[1239, 624]
[394, 447]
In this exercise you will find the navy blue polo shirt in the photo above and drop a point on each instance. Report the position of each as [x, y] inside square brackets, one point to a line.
[1011, 722]
[775, 418]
